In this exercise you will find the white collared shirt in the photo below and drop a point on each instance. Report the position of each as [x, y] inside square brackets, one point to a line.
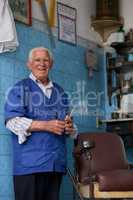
[47, 89]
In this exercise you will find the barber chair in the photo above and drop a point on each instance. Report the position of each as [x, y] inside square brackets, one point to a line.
[101, 167]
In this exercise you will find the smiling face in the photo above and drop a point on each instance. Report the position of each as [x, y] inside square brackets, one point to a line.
[40, 64]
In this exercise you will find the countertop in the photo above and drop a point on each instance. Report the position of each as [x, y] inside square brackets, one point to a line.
[117, 120]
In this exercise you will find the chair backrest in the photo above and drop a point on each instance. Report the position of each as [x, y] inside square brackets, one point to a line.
[108, 154]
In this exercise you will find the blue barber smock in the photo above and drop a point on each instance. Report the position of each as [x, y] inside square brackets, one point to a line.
[43, 151]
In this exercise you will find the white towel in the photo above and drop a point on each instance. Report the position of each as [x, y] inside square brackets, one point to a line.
[127, 103]
[8, 35]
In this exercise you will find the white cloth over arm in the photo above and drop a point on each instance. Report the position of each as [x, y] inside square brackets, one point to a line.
[19, 126]
[8, 35]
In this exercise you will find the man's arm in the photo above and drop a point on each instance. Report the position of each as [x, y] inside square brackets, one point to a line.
[19, 126]
[54, 126]
[22, 127]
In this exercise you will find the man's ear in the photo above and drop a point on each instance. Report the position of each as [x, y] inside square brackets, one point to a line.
[29, 64]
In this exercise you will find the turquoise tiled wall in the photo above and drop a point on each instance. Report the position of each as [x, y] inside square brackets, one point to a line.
[70, 71]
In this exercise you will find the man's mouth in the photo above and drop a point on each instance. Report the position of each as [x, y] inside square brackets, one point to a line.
[42, 68]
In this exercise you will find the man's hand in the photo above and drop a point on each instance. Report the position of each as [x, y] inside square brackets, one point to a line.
[69, 129]
[56, 126]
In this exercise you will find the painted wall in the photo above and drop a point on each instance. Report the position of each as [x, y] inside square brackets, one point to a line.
[71, 72]
[86, 9]
[126, 12]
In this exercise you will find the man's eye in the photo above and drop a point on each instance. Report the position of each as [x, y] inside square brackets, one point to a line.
[37, 60]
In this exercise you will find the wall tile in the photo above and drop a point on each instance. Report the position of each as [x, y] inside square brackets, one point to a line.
[6, 82]
[6, 66]
[20, 69]
[5, 165]
[6, 187]
[2, 125]
[5, 144]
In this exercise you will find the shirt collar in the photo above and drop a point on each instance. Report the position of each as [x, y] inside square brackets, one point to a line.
[48, 86]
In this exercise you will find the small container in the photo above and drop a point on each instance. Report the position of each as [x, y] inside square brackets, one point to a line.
[120, 34]
[119, 61]
[115, 115]
[131, 35]
[130, 57]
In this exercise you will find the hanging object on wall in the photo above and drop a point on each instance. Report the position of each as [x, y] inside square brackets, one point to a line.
[52, 12]
[45, 14]
[107, 9]
[22, 10]
[8, 35]
[107, 19]
[91, 61]
[67, 19]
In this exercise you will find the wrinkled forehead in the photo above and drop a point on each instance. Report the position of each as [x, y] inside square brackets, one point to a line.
[41, 52]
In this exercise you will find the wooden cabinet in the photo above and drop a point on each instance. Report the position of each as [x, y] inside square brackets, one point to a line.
[107, 9]
[107, 19]
[117, 67]
[120, 86]
[124, 128]
[117, 119]
[123, 47]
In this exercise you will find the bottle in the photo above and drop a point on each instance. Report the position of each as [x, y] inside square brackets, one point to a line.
[120, 34]
[131, 35]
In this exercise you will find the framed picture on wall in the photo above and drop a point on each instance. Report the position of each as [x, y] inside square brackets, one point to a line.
[21, 10]
[67, 23]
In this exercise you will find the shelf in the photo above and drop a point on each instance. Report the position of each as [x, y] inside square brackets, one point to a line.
[116, 90]
[106, 26]
[122, 47]
[117, 120]
[119, 45]
[125, 66]
[117, 67]
[129, 91]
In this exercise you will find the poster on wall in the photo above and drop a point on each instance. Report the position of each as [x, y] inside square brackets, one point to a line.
[21, 10]
[67, 23]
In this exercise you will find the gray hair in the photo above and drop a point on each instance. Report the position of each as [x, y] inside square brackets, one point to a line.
[30, 57]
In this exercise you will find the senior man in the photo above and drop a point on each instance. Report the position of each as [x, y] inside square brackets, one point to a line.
[36, 112]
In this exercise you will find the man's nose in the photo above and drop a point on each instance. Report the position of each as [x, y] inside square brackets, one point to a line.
[42, 62]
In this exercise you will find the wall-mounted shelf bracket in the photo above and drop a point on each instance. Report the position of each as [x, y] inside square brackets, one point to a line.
[106, 26]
